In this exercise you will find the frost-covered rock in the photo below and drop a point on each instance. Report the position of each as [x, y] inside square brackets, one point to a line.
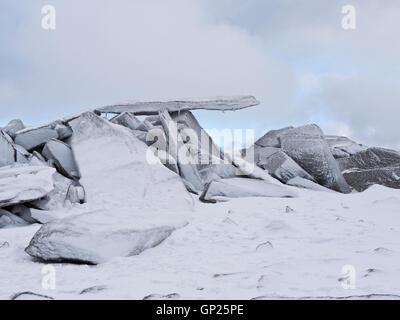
[97, 237]
[127, 120]
[271, 138]
[153, 107]
[244, 187]
[218, 171]
[22, 183]
[62, 157]
[135, 203]
[13, 127]
[32, 138]
[7, 152]
[306, 184]
[307, 146]
[372, 166]
[64, 131]
[8, 220]
[342, 147]
[279, 164]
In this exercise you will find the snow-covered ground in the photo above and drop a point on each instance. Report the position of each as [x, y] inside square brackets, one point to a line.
[240, 249]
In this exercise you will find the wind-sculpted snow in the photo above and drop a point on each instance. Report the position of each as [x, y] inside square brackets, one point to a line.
[22, 183]
[133, 205]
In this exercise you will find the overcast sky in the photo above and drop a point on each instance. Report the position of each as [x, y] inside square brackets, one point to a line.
[294, 56]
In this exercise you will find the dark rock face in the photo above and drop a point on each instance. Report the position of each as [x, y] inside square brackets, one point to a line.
[372, 166]
[308, 147]
[279, 164]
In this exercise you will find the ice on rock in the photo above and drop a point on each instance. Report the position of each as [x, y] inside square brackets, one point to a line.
[153, 107]
[134, 204]
[13, 127]
[271, 138]
[62, 157]
[23, 183]
[244, 187]
[307, 146]
[343, 147]
[7, 152]
[33, 138]
[279, 164]
[307, 184]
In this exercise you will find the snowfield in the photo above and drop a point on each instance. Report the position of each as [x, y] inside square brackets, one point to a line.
[266, 248]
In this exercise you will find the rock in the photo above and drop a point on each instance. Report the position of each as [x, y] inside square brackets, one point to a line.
[13, 127]
[343, 147]
[9, 220]
[65, 192]
[307, 146]
[187, 167]
[23, 212]
[242, 188]
[306, 184]
[62, 157]
[95, 238]
[217, 172]
[64, 131]
[279, 164]
[21, 154]
[145, 126]
[154, 107]
[271, 138]
[23, 183]
[127, 120]
[372, 166]
[134, 204]
[7, 151]
[32, 138]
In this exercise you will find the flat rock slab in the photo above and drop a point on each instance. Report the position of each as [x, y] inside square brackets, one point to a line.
[153, 107]
[307, 184]
[62, 157]
[22, 183]
[35, 137]
[243, 188]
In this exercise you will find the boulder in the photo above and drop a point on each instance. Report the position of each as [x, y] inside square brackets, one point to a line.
[279, 164]
[154, 107]
[62, 157]
[133, 203]
[271, 138]
[218, 171]
[343, 147]
[23, 212]
[7, 151]
[32, 138]
[8, 220]
[23, 183]
[372, 166]
[64, 131]
[127, 120]
[21, 154]
[244, 187]
[13, 127]
[307, 146]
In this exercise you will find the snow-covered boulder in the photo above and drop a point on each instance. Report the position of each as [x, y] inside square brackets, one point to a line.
[372, 166]
[13, 127]
[23, 183]
[243, 188]
[98, 236]
[7, 152]
[307, 146]
[279, 164]
[271, 138]
[32, 138]
[134, 203]
[62, 157]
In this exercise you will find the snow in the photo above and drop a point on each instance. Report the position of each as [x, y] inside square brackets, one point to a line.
[216, 257]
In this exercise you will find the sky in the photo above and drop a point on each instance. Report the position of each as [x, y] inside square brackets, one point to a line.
[293, 56]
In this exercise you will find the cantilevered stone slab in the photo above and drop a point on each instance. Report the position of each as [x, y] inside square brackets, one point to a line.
[153, 107]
